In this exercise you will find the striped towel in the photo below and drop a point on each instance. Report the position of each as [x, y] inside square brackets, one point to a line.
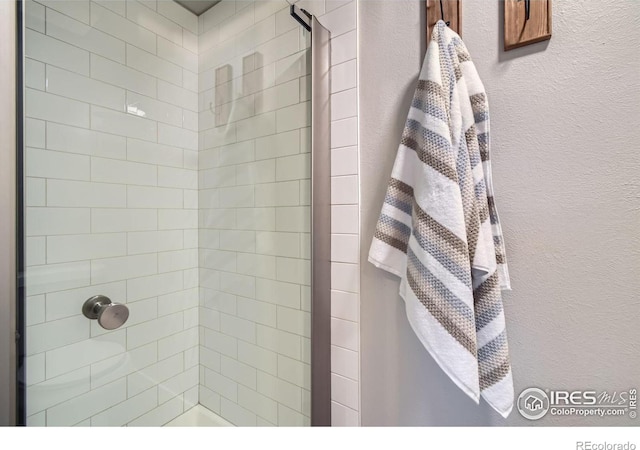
[439, 230]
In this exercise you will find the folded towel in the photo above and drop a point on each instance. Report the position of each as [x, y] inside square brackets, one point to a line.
[439, 230]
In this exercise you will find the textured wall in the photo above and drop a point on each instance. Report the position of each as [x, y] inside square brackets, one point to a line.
[565, 139]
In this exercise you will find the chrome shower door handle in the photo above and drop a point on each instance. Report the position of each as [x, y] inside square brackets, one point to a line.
[110, 315]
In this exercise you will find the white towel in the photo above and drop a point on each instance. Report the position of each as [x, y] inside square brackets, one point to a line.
[439, 230]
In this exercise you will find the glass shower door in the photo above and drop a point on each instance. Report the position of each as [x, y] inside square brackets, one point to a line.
[167, 213]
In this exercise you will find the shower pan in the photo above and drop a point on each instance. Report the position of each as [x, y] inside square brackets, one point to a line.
[173, 213]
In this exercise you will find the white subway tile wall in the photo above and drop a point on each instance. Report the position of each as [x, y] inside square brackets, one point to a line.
[112, 180]
[254, 221]
[168, 168]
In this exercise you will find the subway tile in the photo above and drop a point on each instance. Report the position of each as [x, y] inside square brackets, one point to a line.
[35, 309]
[154, 241]
[293, 117]
[37, 420]
[344, 190]
[123, 124]
[244, 330]
[209, 318]
[217, 177]
[153, 330]
[342, 416]
[160, 25]
[125, 77]
[178, 14]
[114, 269]
[50, 335]
[34, 16]
[240, 241]
[35, 372]
[57, 390]
[209, 399]
[257, 126]
[177, 260]
[190, 121]
[344, 334]
[77, 9]
[117, 6]
[35, 251]
[112, 220]
[123, 364]
[150, 376]
[190, 42]
[279, 293]
[256, 219]
[281, 342]
[340, 20]
[237, 197]
[154, 285]
[114, 24]
[256, 172]
[243, 374]
[45, 106]
[236, 414]
[282, 391]
[345, 277]
[345, 248]
[344, 47]
[177, 95]
[169, 219]
[345, 362]
[52, 51]
[221, 343]
[345, 305]
[62, 304]
[239, 153]
[287, 417]
[222, 219]
[35, 133]
[259, 404]
[210, 359]
[220, 301]
[152, 153]
[162, 414]
[177, 301]
[278, 194]
[344, 391]
[189, 81]
[292, 67]
[126, 411]
[344, 161]
[294, 371]
[85, 246]
[295, 167]
[78, 194]
[224, 386]
[34, 74]
[153, 197]
[293, 270]
[123, 172]
[281, 144]
[294, 321]
[293, 219]
[81, 35]
[177, 385]
[87, 142]
[149, 108]
[177, 137]
[84, 353]
[153, 65]
[68, 84]
[52, 164]
[256, 265]
[344, 104]
[57, 277]
[178, 55]
[344, 133]
[345, 219]
[343, 76]
[278, 244]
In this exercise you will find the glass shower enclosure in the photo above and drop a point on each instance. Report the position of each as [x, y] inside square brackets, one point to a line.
[175, 226]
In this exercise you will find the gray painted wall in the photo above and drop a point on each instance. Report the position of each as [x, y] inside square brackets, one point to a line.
[566, 152]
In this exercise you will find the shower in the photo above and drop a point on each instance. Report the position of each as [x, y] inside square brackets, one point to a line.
[175, 239]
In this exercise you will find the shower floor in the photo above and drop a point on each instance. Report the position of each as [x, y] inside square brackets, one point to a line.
[199, 416]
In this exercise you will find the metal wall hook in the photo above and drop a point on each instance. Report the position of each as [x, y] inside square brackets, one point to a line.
[442, 14]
